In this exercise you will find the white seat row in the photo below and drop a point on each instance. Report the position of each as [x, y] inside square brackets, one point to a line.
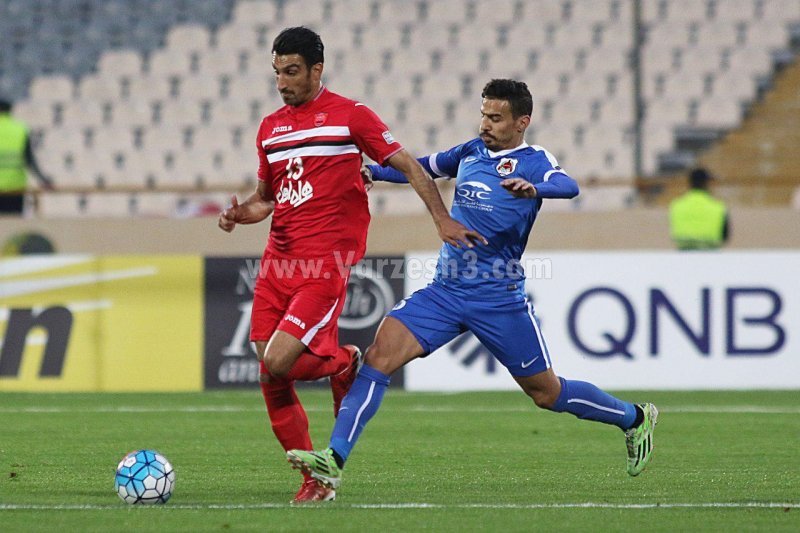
[420, 66]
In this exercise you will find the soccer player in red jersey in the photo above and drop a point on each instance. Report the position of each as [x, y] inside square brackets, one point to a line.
[309, 180]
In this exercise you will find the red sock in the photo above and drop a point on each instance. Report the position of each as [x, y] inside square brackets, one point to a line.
[310, 367]
[286, 414]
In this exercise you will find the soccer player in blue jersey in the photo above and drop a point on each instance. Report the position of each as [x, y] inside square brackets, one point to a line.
[500, 184]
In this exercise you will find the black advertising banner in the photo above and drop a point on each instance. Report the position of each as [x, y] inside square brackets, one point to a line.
[376, 284]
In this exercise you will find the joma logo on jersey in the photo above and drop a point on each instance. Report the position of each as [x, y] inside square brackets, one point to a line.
[506, 166]
[281, 129]
[296, 321]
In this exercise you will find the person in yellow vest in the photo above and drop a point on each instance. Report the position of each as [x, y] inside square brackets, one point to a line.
[15, 155]
[697, 220]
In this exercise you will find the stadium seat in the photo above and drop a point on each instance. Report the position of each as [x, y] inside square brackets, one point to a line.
[108, 205]
[666, 111]
[50, 89]
[739, 87]
[723, 32]
[169, 62]
[508, 12]
[777, 10]
[96, 86]
[757, 61]
[35, 114]
[84, 112]
[252, 11]
[188, 37]
[402, 13]
[115, 63]
[156, 204]
[772, 34]
[256, 85]
[684, 10]
[719, 112]
[233, 111]
[61, 205]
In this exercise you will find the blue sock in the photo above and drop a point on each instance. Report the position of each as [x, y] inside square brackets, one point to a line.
[586, 401]
[358, 407]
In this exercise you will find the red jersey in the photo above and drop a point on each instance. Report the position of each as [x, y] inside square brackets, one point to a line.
[311, 157]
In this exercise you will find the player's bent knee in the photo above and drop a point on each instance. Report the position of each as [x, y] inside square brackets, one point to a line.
[375, 357]
[277, 367]
[261, 350]
[383, 360]
[542, 393]
[543, 399]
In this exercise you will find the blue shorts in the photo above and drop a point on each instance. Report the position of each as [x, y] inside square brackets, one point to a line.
[508, 328]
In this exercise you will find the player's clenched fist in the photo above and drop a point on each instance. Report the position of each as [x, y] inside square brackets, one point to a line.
[227, 219]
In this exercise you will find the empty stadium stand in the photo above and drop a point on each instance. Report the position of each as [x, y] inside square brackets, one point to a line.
[166, 95]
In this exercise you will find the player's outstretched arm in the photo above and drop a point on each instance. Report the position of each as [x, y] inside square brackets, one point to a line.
[559, 185]
[450, 231]
[255, 208]
[391, 175]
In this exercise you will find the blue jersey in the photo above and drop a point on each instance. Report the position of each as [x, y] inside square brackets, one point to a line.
[481, 204]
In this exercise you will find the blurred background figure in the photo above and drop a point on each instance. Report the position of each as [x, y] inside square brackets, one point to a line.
[15, 155]
[697, 220]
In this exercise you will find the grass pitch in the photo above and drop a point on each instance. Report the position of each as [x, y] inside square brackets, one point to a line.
[455, 462]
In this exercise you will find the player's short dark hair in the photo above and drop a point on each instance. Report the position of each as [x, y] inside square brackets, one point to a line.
[302, 41]
[5, 105]
[699, 178]
[515, 92]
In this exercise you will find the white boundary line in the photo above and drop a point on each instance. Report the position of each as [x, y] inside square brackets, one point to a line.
[390, 506]
[721, 409]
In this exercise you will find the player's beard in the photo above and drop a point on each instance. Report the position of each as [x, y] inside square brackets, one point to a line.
[489, 142]
[290, 97]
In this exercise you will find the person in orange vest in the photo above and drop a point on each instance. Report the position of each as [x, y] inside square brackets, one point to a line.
[15, 155]
[697, 220]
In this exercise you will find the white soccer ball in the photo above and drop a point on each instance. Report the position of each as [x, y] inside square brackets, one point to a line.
[144, 477]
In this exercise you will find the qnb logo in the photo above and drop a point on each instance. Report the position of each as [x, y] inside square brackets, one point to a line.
[474, 191]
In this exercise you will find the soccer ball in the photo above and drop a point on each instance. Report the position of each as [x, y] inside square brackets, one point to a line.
[144, 477]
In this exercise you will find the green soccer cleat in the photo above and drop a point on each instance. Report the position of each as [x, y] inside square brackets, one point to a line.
[319, 465]
[639, 440]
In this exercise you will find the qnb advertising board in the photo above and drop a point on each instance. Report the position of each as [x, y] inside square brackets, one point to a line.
[375, 284]
[88, 323]
[647, 320]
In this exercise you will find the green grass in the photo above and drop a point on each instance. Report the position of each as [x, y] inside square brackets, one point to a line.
[450, 451]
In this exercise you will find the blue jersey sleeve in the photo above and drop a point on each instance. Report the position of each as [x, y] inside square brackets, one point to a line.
[550, 180]
[392, 175]
[438, 165]
[557, 185]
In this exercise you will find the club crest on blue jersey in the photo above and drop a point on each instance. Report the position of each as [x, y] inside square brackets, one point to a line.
[506, 166]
